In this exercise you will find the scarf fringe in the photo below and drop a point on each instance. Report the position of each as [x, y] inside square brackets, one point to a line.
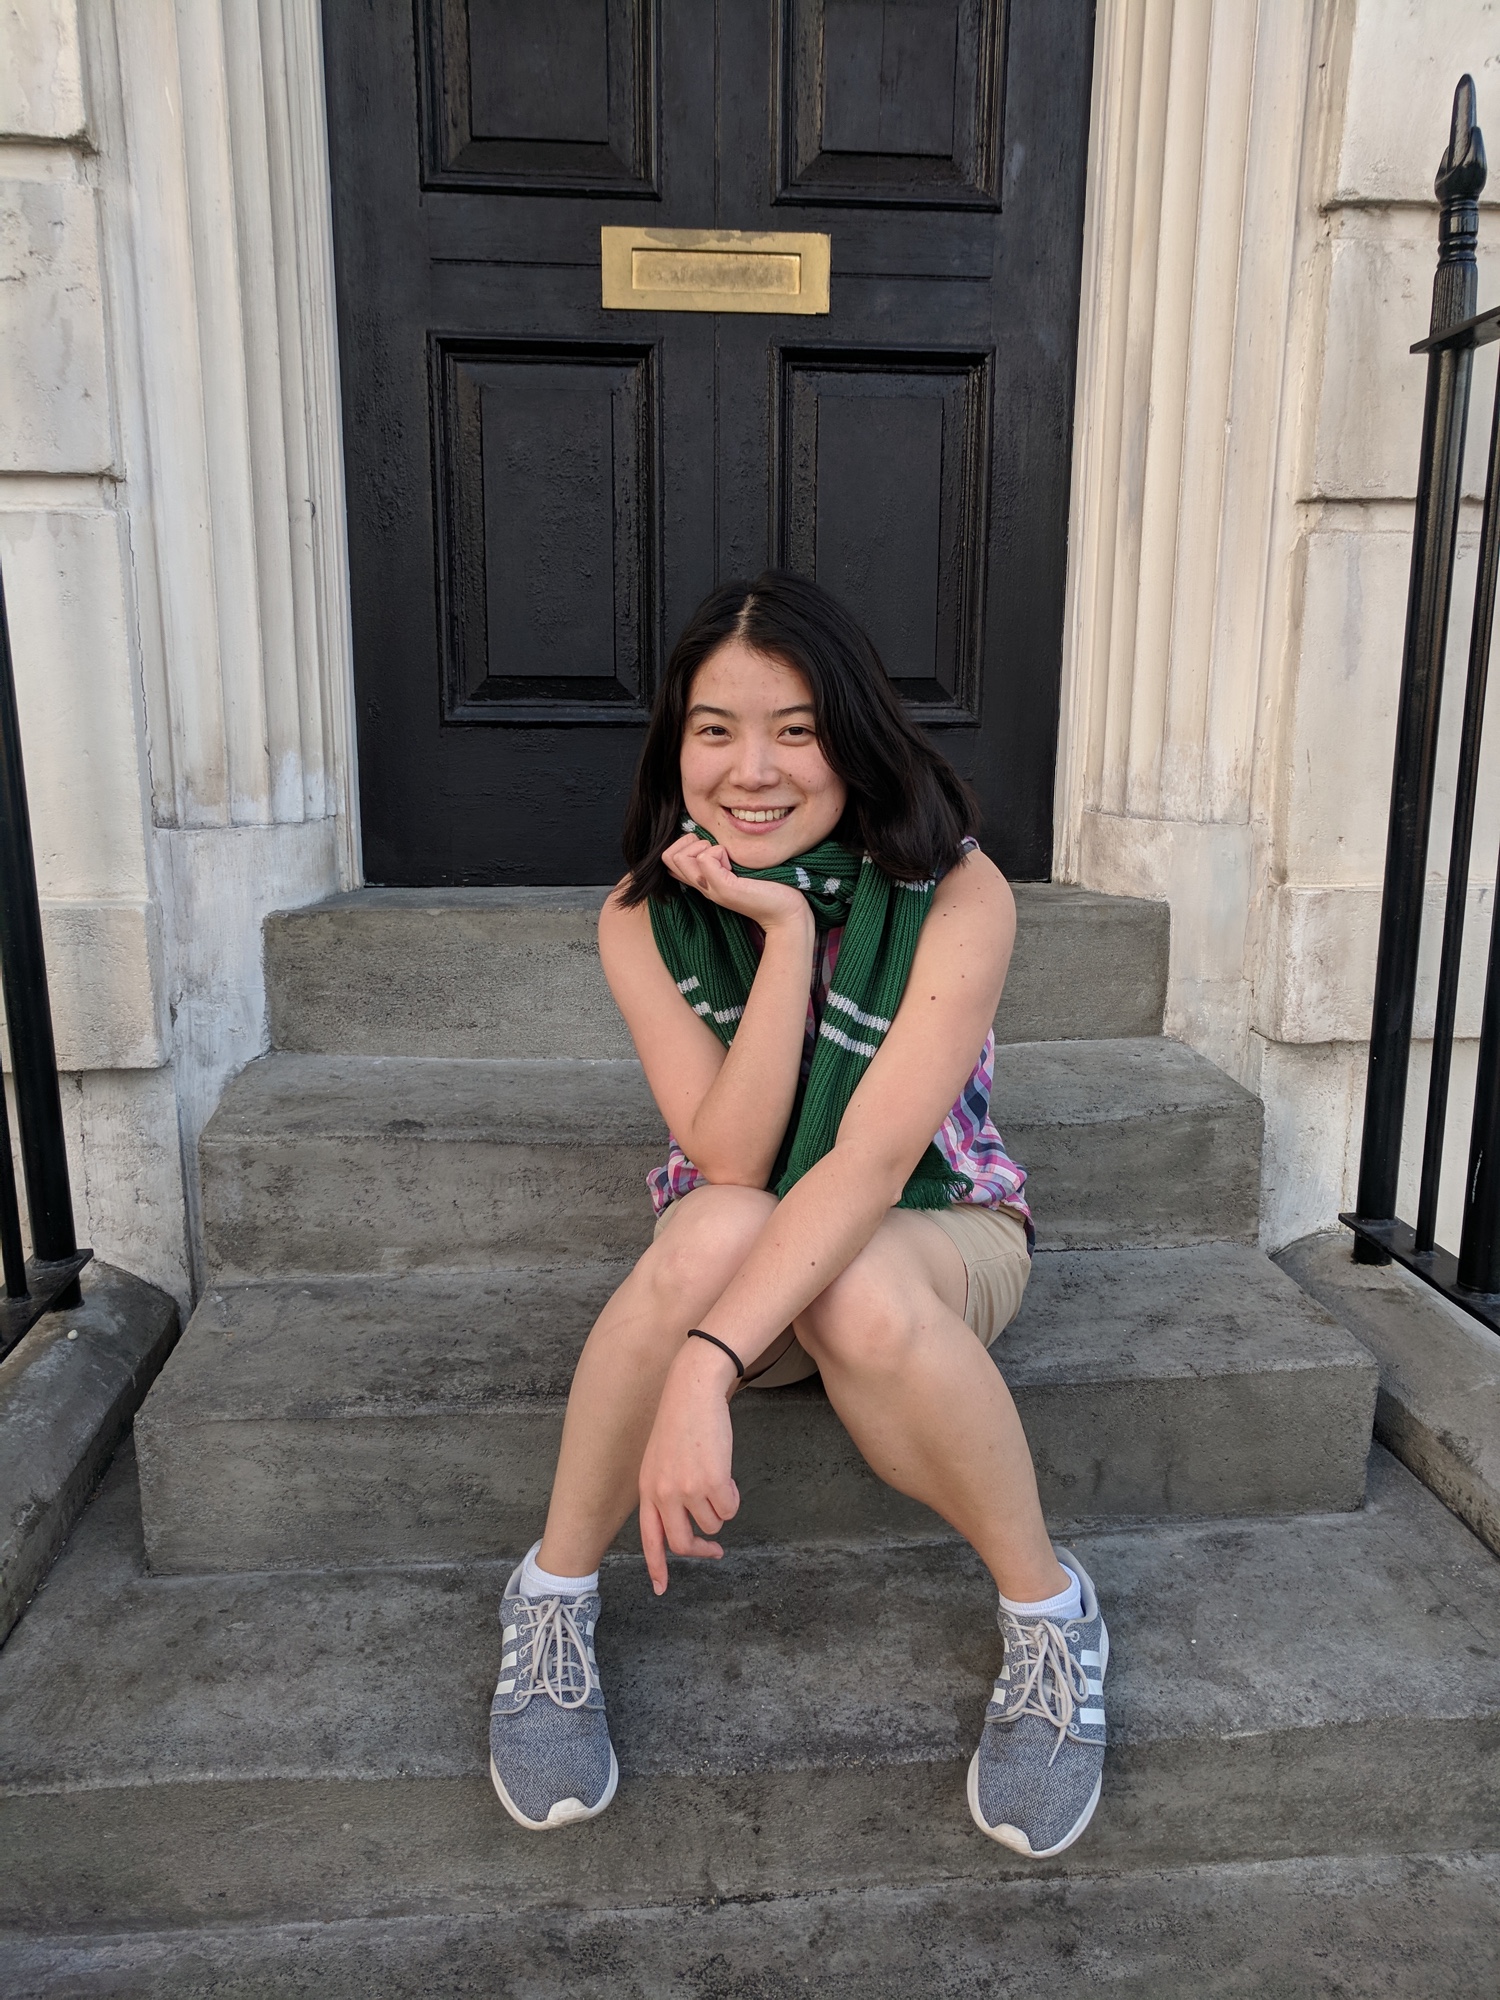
[921, 1193]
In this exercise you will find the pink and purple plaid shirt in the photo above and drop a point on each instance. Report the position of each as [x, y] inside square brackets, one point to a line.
[967, 1138]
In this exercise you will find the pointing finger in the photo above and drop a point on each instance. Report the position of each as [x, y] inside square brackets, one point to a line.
[653, 1547]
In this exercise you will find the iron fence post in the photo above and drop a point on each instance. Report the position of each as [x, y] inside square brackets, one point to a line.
[1460, 179]
[1479, 1245]
[28, 1009]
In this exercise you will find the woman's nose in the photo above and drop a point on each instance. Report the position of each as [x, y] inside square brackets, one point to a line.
[756, 762]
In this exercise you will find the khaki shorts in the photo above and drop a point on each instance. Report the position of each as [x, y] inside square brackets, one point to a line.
[992, 1243]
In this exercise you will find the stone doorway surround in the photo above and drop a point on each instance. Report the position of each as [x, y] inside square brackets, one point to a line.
[172, 529]
[1257, 257]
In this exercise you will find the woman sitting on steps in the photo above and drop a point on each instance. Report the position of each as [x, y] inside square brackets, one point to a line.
[808, 951]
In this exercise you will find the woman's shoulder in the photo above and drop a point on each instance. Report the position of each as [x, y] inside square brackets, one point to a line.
[972, 904]
[633, 966]
[623, 926]
[973, 879]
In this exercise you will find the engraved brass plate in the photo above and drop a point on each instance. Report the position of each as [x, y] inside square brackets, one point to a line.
[713, 270]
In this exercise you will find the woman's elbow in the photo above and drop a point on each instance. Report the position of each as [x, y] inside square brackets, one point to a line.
[727, 1169]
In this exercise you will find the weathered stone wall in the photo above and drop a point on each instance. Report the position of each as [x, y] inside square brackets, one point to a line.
[1259, 258]
[172, 547]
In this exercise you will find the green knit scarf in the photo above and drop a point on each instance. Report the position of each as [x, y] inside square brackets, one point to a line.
[709, 952]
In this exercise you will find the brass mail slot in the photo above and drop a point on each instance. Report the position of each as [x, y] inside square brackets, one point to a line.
[713, 270]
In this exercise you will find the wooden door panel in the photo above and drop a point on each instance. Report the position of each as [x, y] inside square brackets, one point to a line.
[540, 95]
[547, 475]
[884, 464]
[540, 491]
[891, 101]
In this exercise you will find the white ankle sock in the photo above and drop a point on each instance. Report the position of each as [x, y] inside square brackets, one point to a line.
[539, 1582]
[1067, 1603]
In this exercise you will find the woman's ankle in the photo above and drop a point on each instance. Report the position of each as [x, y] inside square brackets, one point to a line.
[543, 1579]
[565, 1556]
[1032, 1582]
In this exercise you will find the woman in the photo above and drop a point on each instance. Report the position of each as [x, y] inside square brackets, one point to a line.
[808, 951]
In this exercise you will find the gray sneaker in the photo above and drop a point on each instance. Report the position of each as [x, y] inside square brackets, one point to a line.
[551, 1759]
[1035, 1778]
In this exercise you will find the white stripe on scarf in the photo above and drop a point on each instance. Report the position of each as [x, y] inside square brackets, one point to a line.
[855, 1048]
[848, 1007]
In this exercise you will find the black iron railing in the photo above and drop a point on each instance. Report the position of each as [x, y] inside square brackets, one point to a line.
[49, 1278]
[1472, 1278]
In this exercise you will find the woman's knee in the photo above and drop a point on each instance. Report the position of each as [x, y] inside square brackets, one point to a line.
[866, 1319]
[705, 1243]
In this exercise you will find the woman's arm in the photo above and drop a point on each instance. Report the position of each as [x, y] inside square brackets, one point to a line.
[834, 1210]
[728, 1108]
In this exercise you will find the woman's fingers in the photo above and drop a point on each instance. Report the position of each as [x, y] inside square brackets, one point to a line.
[681, 856]
[702, 866]
[686, 1479]
[674, 1526]
[683, 1538]
[653, 1546]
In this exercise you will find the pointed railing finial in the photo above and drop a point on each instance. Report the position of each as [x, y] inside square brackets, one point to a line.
[1461, 176]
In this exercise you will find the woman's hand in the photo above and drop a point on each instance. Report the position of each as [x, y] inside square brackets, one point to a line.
[685, 1473]
[708, 869]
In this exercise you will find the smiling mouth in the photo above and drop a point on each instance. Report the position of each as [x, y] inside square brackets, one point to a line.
[758, 815]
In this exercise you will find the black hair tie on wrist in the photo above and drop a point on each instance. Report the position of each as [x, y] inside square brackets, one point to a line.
[697, 1333]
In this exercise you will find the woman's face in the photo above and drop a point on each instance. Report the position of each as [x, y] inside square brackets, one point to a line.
[753, 771]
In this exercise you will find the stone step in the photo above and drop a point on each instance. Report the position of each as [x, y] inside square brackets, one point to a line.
[322, 1164]
[416, 1419]
[515, 972]
[183, 1751]
[1407, 1927]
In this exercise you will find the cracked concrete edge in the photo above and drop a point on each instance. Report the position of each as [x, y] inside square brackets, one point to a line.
[65, 1403]
[1419, 1926]
[1438, 1407]
[1430, 1455]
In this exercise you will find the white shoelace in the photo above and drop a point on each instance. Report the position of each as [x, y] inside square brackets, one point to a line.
[555, 1642]
[1052, 1685]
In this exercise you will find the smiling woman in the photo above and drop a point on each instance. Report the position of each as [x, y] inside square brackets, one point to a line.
[733, 756]
[775, 701]
[808, 951]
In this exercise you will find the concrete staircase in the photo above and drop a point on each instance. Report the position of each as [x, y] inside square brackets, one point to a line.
[254, 1695]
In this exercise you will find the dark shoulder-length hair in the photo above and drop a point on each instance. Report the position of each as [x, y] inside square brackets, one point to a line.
[908, 808]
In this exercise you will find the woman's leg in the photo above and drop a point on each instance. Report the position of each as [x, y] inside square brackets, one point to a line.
[925, 1403]
[618, 1382]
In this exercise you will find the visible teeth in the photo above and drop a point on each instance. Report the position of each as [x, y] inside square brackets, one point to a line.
[756, 818]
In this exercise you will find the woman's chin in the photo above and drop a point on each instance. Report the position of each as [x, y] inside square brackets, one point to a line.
[759, 847]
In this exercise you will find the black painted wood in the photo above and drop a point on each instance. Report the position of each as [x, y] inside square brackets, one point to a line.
[540, 491]
[891, 101]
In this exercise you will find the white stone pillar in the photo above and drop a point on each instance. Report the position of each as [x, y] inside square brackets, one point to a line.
[1200, 114]
[172, 527]
[1258, 257]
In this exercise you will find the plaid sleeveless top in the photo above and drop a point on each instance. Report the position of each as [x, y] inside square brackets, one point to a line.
[967, 1138]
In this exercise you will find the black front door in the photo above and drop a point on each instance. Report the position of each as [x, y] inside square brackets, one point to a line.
[540, 489]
